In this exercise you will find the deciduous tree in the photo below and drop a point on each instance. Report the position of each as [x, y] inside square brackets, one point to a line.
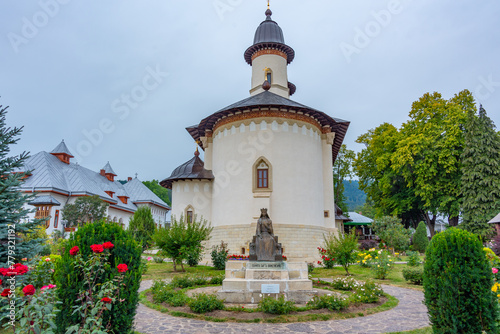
[429, 153]
[86, 209]
[182, 238]
[342, 170]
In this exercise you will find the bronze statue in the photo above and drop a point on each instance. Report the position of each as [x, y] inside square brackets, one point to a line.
[265, 246]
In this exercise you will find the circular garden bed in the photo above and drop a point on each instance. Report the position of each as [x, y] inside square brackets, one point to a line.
[195, 297]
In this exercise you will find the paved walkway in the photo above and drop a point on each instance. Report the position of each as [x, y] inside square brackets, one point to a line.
[409, 314]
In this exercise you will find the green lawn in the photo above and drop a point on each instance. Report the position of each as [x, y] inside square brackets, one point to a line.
[395, 277]
[166, 270]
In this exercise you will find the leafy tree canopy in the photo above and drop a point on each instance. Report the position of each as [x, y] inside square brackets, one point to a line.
[182, 238]
[87, 209]
[342, 170]
[164, 193]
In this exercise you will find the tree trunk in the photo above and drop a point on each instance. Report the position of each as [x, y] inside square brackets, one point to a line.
[175, 268]
[453, 221]
[430, 222]
[182, 266]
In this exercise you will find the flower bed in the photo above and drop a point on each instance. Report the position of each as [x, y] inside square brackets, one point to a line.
[177, 301]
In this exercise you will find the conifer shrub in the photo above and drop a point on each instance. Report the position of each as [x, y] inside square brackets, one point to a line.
[413, 259]
[457, 283]
[70, 281]
[420, 240]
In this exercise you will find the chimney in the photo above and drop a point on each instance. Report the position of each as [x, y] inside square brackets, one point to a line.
[103, 172]
[129, 179]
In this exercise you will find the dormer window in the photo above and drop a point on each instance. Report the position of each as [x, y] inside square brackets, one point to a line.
[110, 193]
[124, 199]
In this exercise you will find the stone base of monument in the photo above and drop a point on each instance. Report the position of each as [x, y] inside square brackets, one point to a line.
[247, 282]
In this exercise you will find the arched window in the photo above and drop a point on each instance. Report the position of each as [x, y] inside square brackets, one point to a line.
[189, 214]
[262, 176]
[269, 77]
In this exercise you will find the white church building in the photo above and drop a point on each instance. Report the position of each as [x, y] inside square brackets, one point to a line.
[57, 181]
[266, 151]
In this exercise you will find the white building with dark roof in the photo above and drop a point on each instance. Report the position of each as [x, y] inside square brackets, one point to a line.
[57, 181]
[266, 151]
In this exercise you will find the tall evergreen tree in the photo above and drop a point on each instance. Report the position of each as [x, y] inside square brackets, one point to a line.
[142, 226]
[480, 174]
[14, 223]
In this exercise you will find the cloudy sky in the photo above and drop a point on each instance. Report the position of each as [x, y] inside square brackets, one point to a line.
[120, 80]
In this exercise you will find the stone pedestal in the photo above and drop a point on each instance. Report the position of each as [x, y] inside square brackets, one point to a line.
[248, 282]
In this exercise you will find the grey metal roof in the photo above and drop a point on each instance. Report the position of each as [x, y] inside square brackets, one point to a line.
[44, 200]
[268, 98]
[269, 31]
[357, 218]
[269, 36]
[193, 169]
[139, 193]
[62, 148]
[108, 169]
[495, 220]
[51, 174]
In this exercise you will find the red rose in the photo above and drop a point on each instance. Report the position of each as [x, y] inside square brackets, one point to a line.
[122, 268]
[8, 272]
[29, 290]
[20, 269]
[108, 245]
[106, 300]
[5, 293]
[97, 248]
[74, 250]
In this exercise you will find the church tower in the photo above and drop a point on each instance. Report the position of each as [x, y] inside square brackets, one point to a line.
[269, 57]
[265, 151]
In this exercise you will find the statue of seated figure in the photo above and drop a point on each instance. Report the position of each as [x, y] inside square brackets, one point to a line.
[265, 246]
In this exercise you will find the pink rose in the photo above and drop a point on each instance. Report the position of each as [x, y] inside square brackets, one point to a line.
[494, 270]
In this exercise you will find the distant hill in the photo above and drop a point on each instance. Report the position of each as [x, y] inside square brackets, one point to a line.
[354, 196]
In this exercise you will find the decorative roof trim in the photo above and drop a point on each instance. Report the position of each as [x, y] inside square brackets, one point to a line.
[270, 101]
[269, 45]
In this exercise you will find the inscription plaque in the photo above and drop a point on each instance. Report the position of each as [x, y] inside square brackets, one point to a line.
[267, 265]
[270, 288]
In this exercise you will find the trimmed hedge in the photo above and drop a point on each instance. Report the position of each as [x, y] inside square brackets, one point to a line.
[69, 282]
[457, 284]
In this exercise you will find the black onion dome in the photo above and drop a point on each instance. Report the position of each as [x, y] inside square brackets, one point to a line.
[269, 31]
[269, 36]
[193, 169]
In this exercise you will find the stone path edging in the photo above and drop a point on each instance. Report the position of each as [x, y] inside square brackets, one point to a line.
[409, 314]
